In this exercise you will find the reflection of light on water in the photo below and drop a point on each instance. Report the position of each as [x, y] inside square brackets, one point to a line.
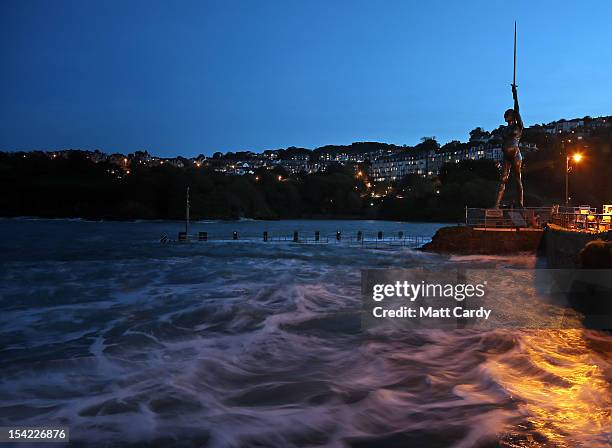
[261, 345]
[559, 389]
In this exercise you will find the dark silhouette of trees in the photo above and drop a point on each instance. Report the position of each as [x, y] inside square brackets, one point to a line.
[38, 184]
[478, 134]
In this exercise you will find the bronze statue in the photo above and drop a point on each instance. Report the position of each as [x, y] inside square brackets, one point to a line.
[511, 136]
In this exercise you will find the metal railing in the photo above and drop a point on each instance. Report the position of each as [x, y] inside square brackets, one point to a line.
[359, 238]
[509, 218]
[583, 218]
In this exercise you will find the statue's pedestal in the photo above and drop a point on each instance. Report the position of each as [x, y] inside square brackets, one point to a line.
[463, 240]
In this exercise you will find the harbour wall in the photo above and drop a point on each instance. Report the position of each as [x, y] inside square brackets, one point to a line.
[565, 248]
[464, 240]
[561, 247]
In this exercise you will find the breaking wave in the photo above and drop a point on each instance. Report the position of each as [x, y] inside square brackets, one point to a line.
[217, 344]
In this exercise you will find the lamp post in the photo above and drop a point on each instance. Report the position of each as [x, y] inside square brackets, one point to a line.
[576, 158]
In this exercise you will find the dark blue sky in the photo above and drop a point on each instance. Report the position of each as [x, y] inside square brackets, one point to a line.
[196, 77]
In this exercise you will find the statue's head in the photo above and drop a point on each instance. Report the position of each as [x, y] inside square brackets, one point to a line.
[509, 116]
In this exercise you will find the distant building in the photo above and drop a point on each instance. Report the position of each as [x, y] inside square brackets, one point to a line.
[140, 157]
[118, 159]
[451, 154]
[97, 156]
[598, 123]
[494, 153]
[295, 165]
[477, 152]
[563, 126]
[393, 167]
[176, 162]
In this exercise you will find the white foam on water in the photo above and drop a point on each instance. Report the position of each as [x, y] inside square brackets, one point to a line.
[233, 345]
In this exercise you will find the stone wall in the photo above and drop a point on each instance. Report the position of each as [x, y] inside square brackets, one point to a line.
[464, 240]
[562, 247]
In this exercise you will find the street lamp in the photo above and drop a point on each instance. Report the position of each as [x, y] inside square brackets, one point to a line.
[576, 158]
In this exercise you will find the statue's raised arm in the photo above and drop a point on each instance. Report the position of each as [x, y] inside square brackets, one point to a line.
[519, 120]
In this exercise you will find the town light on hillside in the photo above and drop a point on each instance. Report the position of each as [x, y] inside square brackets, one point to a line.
[576, 158]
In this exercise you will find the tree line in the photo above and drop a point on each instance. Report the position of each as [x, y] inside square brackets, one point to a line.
[34, 184]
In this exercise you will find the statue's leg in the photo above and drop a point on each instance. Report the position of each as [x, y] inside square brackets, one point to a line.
[503, 181]
[518, 165]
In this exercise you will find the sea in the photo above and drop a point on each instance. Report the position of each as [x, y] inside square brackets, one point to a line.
[129, 338]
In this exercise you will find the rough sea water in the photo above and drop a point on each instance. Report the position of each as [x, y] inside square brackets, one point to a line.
[243, 344]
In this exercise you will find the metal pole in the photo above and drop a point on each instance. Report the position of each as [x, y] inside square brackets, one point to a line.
[564, 151]
[566, 180]
[187, 212]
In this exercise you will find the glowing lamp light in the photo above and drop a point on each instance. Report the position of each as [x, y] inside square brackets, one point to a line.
[576, 158]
